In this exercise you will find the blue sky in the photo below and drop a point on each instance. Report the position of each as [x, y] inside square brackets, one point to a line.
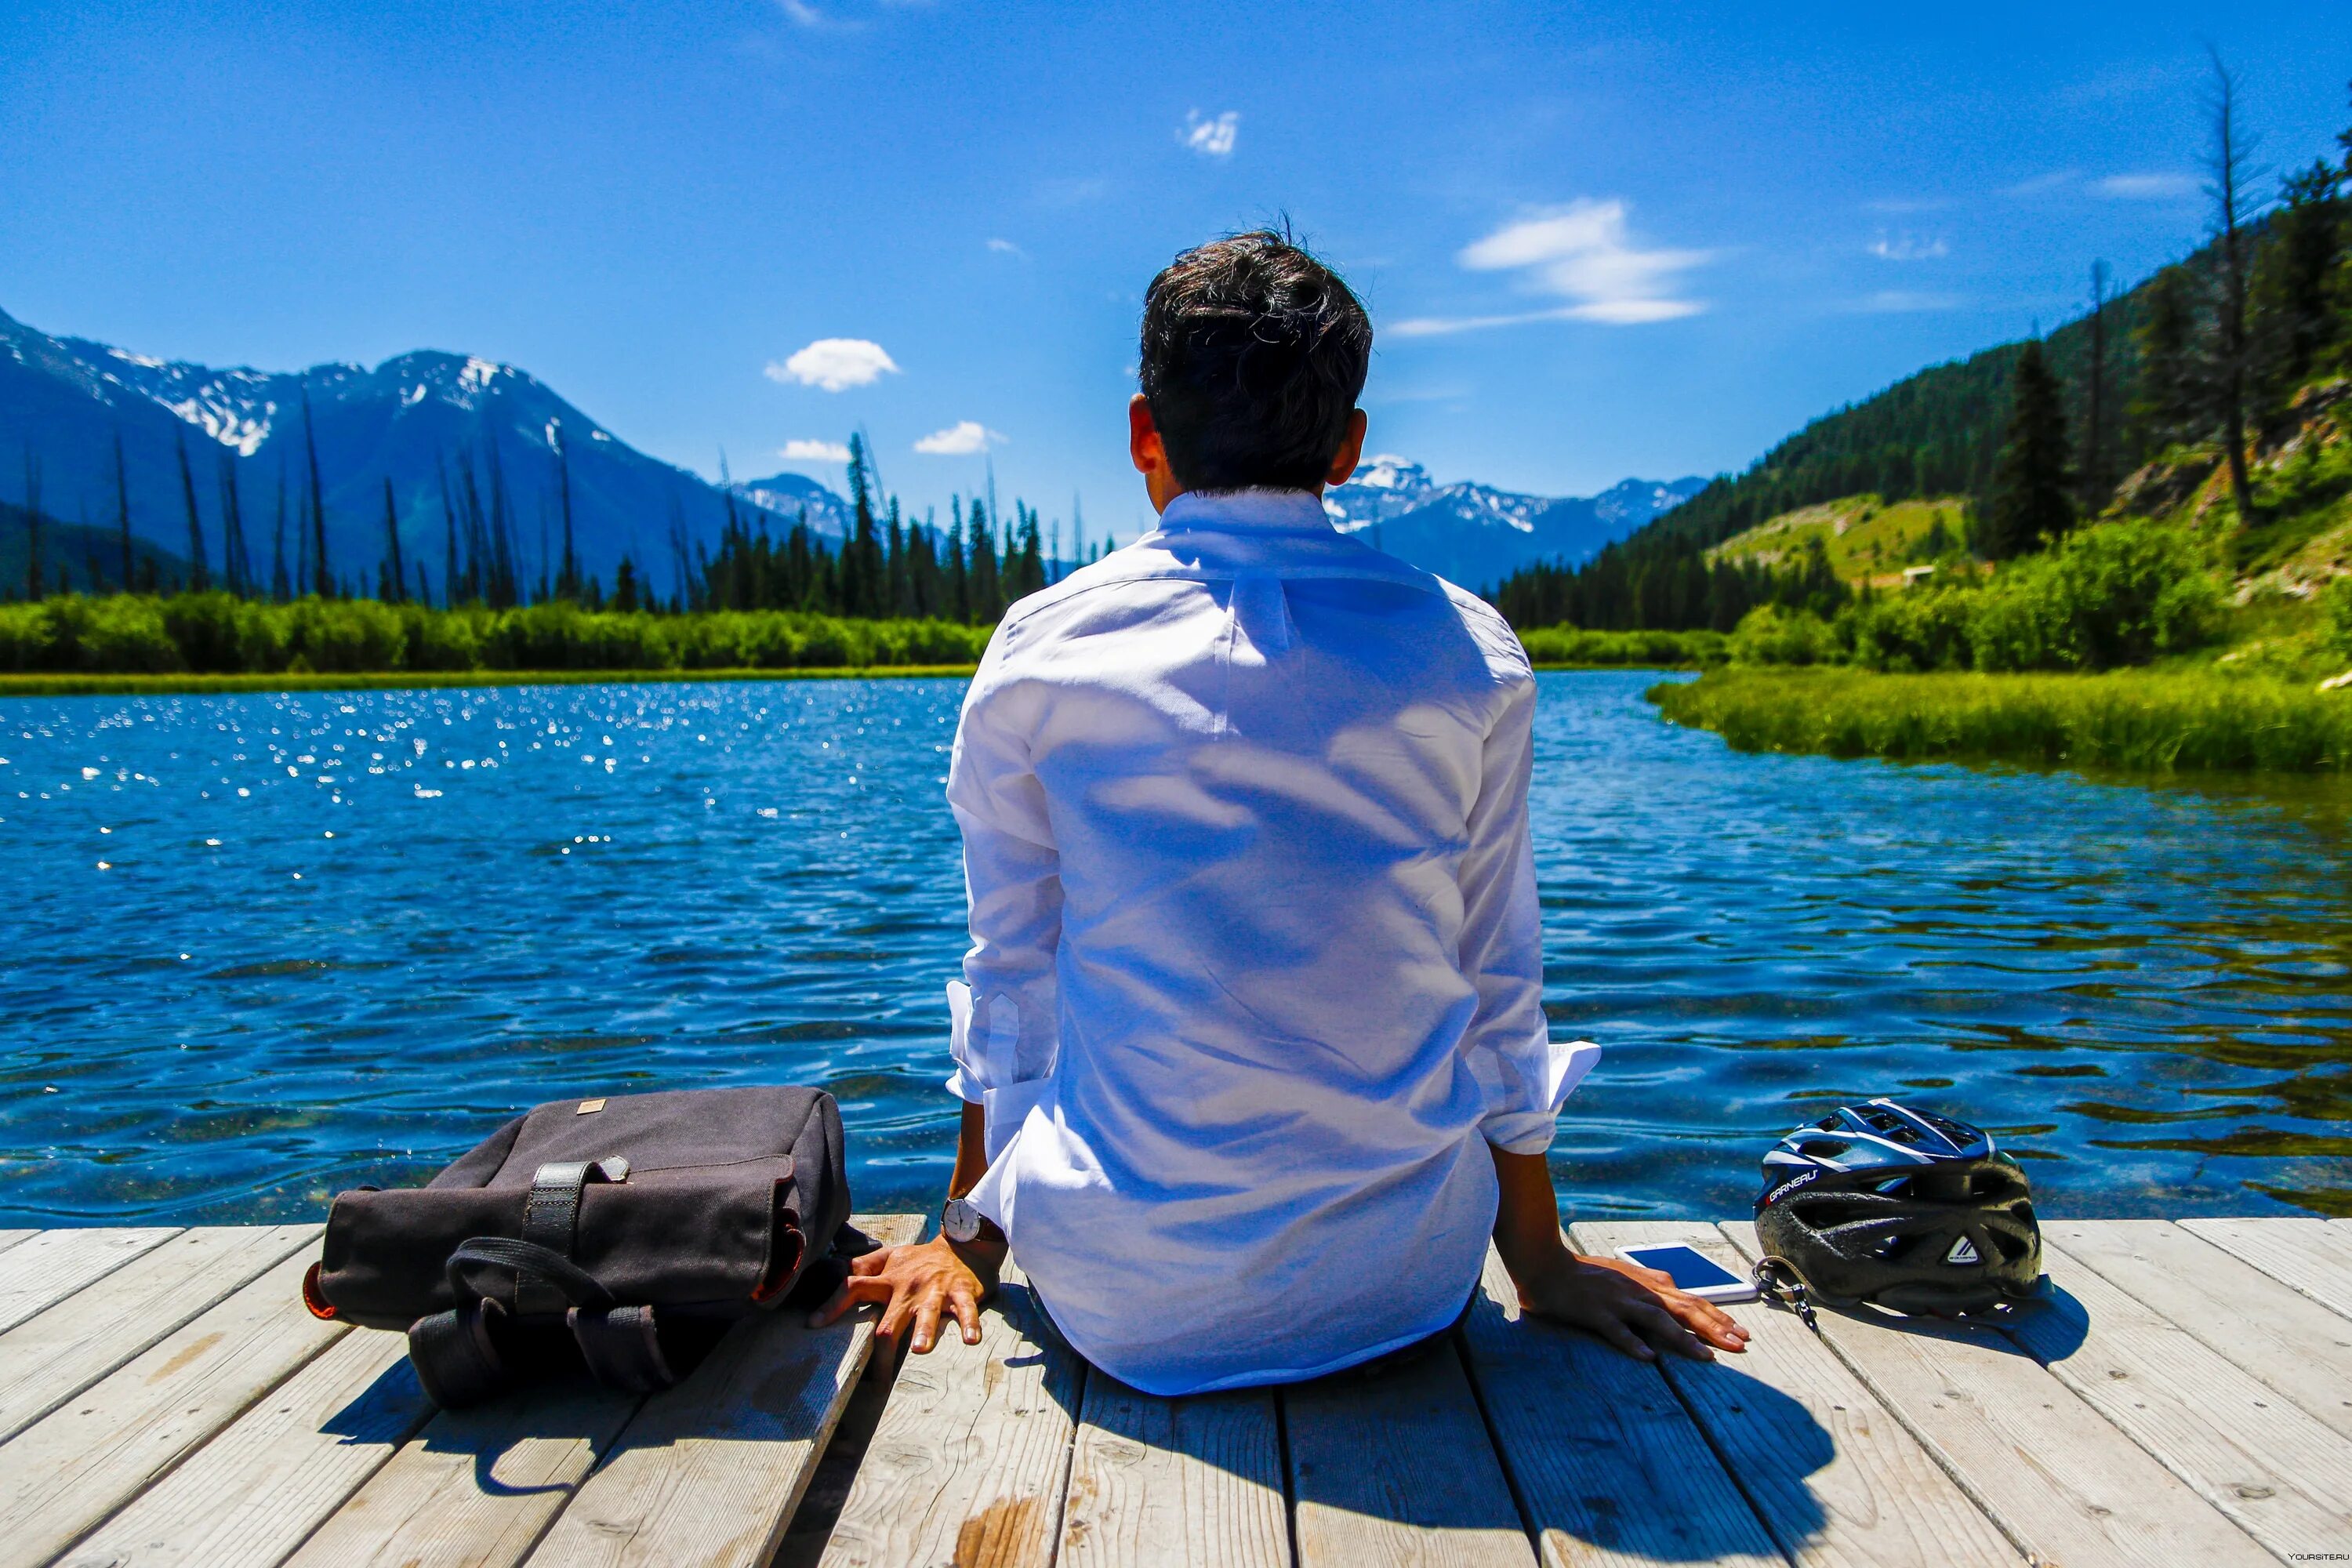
[1597, 240]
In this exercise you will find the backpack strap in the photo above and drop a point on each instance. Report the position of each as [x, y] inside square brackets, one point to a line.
[456, 1360]
[550, 1219]
[622, 1346]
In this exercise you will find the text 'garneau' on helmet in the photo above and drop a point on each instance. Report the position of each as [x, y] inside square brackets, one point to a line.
[1901, 1208]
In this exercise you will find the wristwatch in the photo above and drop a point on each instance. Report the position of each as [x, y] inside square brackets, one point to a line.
[959, 1220]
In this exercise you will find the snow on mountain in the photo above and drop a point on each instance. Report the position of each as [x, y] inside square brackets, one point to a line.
[1476, 535]
[791, 497]
[431, 423]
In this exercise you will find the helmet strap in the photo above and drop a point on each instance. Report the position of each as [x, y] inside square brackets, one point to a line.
[1777, 1281]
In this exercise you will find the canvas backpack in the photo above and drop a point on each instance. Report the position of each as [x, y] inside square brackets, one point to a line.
[621, 1233]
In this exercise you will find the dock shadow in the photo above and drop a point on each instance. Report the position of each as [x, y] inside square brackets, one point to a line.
[393, 1409]
[1675, 1460]
[2049, 1326]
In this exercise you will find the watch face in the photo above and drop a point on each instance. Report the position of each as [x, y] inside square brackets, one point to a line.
[959, 1221]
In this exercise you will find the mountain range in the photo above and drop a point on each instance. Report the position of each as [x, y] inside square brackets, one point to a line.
[435, 424]
[421, 420]
[1475, 535]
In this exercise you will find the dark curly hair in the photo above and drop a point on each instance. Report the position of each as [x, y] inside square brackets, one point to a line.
[1254, 355]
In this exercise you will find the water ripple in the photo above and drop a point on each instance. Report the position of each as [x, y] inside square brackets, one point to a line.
[261, 948]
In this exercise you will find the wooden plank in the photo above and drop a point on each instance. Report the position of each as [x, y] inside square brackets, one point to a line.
[2278, 1473]
[476, 1487]
[9, 1239]
[55, 1354]
[1834, 1475]
[253, 1493]
[47, 1267]
[2313, 1255]
[971, 1458]
[1163, 1481]
[2059, 1480]
[1398, 1469]
[1610, 1465]
[81, 1462]
[709, 1473]
[2250, 1320]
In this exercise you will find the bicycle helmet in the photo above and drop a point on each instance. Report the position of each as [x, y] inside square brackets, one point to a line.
[1901, 1208]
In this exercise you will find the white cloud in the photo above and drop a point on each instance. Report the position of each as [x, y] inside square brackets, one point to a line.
[2148, 187]
[1211, 138]
[1006, 248]
[960, 439]
[797, 450]
[1584, 253]
[835, 363]
[1905, 301]
[1904, 247]
[2041, 183]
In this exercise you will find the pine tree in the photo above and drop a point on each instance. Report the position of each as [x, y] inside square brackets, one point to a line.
[198, 578]
[123, 511]
[2296, 324]
[2169, 404]
[957, 599]
[322, 580]
[450, 576]
[236, 565]
[567, 581]
[282, 586]
[35, 587]
[987, 596]
[395, 577]
[2030, 501]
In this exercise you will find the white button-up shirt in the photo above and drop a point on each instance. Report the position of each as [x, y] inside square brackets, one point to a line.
[1256, 971]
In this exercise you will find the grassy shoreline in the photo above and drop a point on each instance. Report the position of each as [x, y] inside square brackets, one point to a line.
[2137, 722]
[433, 679]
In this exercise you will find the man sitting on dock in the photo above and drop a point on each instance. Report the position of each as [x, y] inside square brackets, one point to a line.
[1251, 1035]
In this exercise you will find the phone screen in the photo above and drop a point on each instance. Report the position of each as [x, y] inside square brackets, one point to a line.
[1690, 1268]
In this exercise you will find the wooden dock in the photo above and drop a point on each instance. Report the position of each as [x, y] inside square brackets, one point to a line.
[2183, 1396]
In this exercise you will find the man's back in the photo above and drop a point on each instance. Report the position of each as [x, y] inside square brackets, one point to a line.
[1243, 809]
[1251, 1036]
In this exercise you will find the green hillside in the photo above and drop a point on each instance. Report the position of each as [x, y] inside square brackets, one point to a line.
[2250, 332]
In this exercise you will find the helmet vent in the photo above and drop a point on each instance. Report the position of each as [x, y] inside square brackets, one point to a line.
[1823, 1148]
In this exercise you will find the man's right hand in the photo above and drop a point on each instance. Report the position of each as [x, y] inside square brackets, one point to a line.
[919, 1284]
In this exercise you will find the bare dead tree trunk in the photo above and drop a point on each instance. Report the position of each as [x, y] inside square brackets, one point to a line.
[2229, 175]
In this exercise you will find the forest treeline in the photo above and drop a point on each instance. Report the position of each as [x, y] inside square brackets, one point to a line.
[887, 568]
[2208, 352]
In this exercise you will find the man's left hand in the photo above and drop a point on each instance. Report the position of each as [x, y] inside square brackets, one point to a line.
[1636, 1309]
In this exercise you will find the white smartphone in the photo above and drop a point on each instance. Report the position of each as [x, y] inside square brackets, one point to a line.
[1692, 1270]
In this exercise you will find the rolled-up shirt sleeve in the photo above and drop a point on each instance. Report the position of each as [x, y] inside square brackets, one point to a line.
[1525, 1074]
[1004, 1014]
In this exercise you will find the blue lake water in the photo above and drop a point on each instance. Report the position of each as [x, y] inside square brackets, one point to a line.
[257, 949]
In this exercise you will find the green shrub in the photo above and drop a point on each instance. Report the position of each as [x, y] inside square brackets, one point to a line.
[1916, 630]
[1634, 650]
[344, 637]
[2113, 594]
[1771, 635]
[124, 631]
[2336, 615]
[214, 633]
[26, 636]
